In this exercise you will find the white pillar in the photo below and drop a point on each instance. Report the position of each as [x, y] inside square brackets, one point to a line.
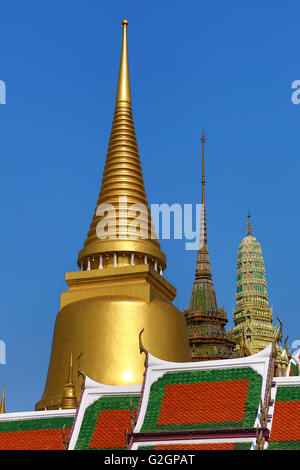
[132, 259]
[89, 264]
[160, 271]
[155, 265]
[145, 259]
[101, 262]
[115, 260]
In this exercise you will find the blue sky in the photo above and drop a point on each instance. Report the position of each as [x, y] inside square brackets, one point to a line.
[226, 67]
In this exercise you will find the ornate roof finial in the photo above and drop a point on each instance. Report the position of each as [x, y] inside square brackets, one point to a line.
[123, 92]
[203, 140]
[250, 227]
[142, 349]
[132, 417]
[287, 351]
[65, 441]
[80, 373]
[2, 406]
[69, 400]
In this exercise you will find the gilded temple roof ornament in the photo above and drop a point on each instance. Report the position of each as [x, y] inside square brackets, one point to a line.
[65, 441]
[132, 417]
[69, 400]
[80, 373]
[279, 335]
[288, 352]
[142, 349]
[2, 405]
[241, 341]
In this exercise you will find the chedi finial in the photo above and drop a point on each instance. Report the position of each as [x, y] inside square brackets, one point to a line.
[123, 92]
[69, 400]
[250, 227]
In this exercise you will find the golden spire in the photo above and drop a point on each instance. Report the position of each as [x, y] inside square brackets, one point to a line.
[203, 139]
[127, 231]
[123, 92]
[2, 406]
[69, 400]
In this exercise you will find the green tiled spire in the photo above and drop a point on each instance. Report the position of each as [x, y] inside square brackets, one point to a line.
[206, 321]
[252, 317]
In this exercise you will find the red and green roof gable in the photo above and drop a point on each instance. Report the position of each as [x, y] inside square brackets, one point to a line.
[105, 423]
[34, 434]
[203, 400]
[206, 402]
[285, 431]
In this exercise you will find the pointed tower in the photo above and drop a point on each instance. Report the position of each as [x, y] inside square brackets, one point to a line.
[206, 322]
[253, 318]
[69, 398]
[2, 404]
[119, 289]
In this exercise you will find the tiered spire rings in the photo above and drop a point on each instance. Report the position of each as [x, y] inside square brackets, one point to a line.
[123, 189]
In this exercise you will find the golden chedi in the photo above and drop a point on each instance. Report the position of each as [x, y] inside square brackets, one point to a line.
[69, 401]
[119, 289]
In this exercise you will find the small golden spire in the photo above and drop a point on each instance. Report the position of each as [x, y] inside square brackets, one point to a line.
[2, 406]
[69, 400]
[123, 92]
[203, 139]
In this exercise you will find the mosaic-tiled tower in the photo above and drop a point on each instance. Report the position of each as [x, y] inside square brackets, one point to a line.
[253, 317]
[206, 321]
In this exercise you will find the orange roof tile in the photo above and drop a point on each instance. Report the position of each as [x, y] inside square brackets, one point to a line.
[39, 439]
[286, 421]
[204, 402]
[110, 429]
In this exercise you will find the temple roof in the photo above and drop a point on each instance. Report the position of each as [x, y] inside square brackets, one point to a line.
[285, 427]
[192, 403]
[207, 405]
[202, 399]
[105, 422]
[41, 430]
[104, 416]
